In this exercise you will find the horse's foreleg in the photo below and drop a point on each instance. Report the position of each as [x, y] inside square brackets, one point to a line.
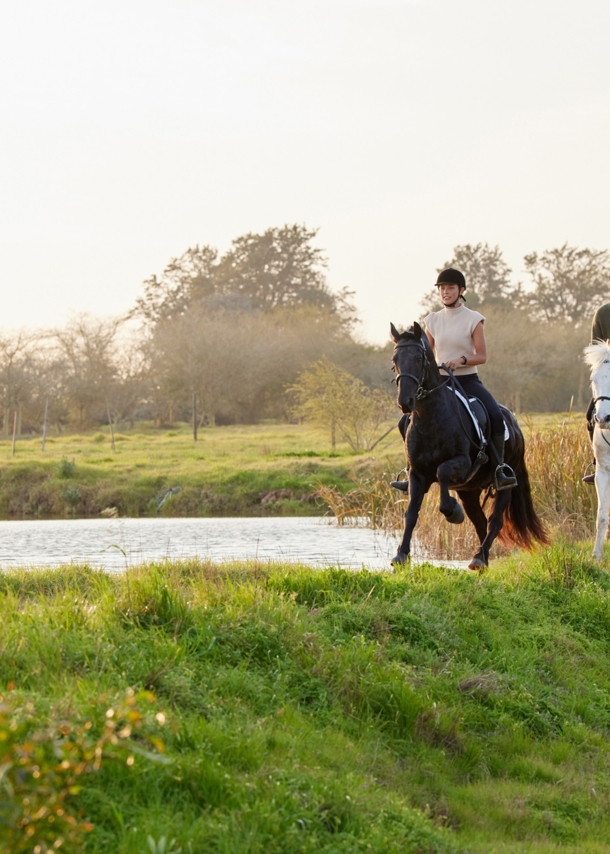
[451, 470]
[494, 526]
[471, 499]
[602, 485]
[417, 490]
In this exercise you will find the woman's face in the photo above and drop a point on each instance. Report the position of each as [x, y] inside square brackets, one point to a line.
[448, 293]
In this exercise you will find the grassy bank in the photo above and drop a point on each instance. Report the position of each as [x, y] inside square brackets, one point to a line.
[309, 711]
[253, 470]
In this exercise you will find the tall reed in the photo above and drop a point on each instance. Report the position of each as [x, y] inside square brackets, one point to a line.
[556, 458]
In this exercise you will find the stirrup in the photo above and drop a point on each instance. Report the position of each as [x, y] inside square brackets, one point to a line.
[402, 485]
[509, 479]
[590, 478]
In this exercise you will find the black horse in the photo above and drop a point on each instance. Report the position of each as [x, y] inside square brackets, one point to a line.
[442, 444]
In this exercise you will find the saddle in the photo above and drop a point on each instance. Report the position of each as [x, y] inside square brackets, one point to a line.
[477, 412]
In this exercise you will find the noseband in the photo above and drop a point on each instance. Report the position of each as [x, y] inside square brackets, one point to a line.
[595, 399]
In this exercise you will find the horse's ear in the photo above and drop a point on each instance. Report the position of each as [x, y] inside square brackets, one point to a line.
[394, 333]
[417, 331]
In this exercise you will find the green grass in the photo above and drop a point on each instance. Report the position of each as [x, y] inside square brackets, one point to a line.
[228, 471]
[331, 711]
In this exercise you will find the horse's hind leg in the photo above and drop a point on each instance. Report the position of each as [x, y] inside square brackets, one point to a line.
[494, 526]
[602, 485]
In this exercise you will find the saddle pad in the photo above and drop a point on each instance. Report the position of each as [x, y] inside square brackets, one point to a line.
[477, 426]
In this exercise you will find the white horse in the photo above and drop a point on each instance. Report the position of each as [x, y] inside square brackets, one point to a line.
[597, 356]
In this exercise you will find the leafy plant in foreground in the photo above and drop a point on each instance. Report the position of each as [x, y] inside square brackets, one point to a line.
[41, 764]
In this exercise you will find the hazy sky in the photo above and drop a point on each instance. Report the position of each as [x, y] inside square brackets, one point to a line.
[132, 130]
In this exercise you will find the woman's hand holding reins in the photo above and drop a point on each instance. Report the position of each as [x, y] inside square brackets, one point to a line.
[455, 363]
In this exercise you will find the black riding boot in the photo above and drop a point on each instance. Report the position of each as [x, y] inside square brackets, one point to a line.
[504, 477]
[403, 426]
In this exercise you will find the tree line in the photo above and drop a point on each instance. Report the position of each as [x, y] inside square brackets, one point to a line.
[220, 338]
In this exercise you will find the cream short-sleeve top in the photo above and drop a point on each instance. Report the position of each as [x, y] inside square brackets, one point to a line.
[452, 330]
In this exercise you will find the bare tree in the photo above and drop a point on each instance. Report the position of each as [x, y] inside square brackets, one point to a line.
[86, 347]
[16, 373]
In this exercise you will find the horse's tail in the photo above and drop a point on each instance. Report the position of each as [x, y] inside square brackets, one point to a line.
[522, 525]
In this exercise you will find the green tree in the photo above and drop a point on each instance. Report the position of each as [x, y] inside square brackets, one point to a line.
[569, 283]
[278, 269]
[330, 396]
[185, 280]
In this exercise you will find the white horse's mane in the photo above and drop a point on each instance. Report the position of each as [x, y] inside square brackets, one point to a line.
[596, 354]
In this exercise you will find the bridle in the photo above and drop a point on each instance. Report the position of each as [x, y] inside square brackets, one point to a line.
[421, 392]
[595, 399]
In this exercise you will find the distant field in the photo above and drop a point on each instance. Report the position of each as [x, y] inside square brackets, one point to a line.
[242, 470]
[270, 469]
[537, 421]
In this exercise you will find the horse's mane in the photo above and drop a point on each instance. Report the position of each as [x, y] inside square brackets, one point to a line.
[597, 353]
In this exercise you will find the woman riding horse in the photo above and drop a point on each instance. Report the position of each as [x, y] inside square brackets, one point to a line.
[456, 334]
[445, 445]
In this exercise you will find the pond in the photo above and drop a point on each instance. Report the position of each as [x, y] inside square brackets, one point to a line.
[115, 544]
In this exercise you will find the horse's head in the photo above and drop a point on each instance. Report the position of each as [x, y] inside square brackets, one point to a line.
[414, 365]
[597, 356]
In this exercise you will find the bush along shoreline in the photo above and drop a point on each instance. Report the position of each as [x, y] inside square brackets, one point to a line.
[270, 708]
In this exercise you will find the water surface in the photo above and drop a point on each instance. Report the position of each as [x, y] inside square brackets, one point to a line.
[115, 544]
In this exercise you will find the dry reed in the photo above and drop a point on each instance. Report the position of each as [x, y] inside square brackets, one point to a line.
[556, 459]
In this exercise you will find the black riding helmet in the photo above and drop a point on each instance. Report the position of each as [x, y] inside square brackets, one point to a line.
[450, 276]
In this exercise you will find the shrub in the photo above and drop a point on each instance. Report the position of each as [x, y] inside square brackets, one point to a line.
[66, 469]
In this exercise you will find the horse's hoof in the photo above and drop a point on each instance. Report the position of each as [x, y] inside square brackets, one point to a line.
[456, 517]
[400, 559]
[477, 563]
